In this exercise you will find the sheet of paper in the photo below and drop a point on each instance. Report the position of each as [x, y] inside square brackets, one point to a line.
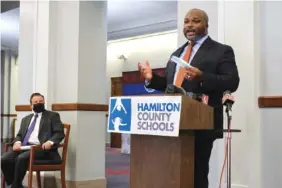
[26, 147]
[180, 62]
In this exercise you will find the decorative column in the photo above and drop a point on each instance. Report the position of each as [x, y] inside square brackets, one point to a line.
[63, 56]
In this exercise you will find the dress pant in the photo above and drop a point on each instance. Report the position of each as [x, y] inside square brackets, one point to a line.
[14, 165]
[203, 148]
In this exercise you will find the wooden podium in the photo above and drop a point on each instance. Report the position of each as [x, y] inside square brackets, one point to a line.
[168, 162]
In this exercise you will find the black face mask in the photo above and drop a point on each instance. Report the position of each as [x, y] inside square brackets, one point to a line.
[39, 107]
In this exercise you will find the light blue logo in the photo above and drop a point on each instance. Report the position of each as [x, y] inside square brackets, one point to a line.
[120, 114]
[149, 90]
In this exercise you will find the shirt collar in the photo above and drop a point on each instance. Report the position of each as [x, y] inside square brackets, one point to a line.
[39, 114]
[201, 40]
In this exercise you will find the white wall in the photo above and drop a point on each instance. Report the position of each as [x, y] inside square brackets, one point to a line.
[10, 91]
[14, 84]
[246, 151]
[270, 61]
[155, 48]
[6, 92]
[270, 51]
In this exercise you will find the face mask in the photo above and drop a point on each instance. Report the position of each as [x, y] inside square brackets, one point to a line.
[39, 107]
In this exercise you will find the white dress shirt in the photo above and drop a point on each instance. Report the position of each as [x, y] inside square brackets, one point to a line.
[33, 139]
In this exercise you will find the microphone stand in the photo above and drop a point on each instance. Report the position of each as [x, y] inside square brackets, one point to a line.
[229, 131]
[228, 172]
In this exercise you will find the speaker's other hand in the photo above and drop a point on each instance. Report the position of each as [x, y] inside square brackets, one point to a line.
[145, 71]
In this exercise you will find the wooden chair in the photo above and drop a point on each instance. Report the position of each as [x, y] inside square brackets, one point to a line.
[42, 165]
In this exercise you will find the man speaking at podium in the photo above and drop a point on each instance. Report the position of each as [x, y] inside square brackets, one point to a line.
[213, 70]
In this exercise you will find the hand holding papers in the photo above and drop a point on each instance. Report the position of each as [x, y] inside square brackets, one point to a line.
[180, 71]
[185, 70]
[180, 62]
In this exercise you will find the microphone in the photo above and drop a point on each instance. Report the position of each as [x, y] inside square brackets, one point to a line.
[170, 88]
[228, 100]
[179, 90]
[170, 69]
[198, 97]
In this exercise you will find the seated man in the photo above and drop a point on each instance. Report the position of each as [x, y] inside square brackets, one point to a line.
[42, 127]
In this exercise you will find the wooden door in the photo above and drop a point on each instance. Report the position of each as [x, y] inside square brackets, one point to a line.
[116, 90]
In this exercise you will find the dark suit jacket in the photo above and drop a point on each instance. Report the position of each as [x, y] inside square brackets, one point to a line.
[50, 128]
[217, 62]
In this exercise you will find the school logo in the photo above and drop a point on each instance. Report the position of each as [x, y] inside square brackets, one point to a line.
[149, 90]
[120, 114]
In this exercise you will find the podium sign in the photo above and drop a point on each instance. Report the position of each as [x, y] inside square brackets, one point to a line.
[162, 137]
[145, 115]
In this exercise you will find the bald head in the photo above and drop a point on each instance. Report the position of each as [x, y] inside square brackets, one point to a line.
[195, 24]
[201, 13]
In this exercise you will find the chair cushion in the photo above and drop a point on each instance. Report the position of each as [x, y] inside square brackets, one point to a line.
[48, 162]
[50, 158]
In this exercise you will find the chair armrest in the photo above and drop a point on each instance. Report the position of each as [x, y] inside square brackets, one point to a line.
[32, 151]
[59, 146]
[7, 145]
[34, 148]
[38, 147]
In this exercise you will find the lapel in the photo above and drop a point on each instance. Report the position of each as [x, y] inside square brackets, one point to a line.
[180, 50]
[207, 44]
[44, 114]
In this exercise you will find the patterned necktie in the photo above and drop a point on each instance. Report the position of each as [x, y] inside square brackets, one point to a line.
[181, 71]
[29, 131]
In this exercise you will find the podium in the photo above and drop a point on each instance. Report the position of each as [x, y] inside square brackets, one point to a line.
[168, 162]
